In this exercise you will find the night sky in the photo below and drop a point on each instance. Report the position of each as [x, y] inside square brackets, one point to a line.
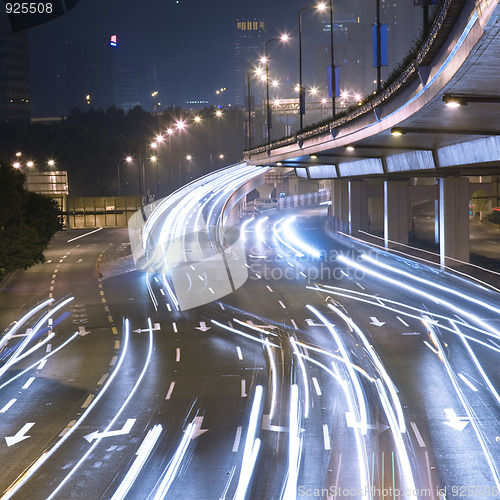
[141, 26]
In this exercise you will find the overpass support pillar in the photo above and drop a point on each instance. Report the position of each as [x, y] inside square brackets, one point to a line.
[358, 207]
[396, 212]
[340, 204]
[454, 218]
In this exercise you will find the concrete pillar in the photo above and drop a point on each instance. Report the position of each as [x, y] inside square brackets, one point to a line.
[358, 207]
[340, 203]
[396, 202]
[454, 218]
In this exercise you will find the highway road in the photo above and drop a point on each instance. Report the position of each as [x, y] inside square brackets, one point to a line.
[334, 371]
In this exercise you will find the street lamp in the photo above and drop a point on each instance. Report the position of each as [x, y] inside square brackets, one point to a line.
[250, 102]
[282, 38]
[128, 159]
[302, 93]
[51, 163]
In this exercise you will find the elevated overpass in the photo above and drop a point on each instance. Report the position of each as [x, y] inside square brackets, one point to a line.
[433, 134]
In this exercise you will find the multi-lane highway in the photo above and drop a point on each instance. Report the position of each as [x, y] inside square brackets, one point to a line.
[334, 371]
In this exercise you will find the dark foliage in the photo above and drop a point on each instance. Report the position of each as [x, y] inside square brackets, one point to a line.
[27, 222]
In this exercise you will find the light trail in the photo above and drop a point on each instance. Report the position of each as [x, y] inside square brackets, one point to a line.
[86, 234]
[305, 381]
[38, 463]
[243, 334]
[99, 438]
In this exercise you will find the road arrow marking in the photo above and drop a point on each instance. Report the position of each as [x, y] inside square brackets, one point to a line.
[198, 431]
[310, 322]
[271, 327]
[156, 326]
[455, 422]
[351, 422]
[124, 430]
[82, 331]
[267, 426]
[203, 327]
[376, 322]
[20, 435]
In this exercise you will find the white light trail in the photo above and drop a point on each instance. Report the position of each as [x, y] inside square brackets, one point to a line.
[304, 376]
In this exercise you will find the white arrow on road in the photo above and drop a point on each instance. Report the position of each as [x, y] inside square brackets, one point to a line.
[124, 430]
[198, 431]
[455, 422]
[203, 327]
[156, 326]
[310, 322]
[270, 327]
[20, 435]
[376, 322]
[82, 331]
[351, 422]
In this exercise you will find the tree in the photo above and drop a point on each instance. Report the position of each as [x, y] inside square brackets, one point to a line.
[27, 222]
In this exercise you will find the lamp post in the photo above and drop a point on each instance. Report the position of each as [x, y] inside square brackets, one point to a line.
[250, 103]
[283, 38]
[332, 62]
[302, 92]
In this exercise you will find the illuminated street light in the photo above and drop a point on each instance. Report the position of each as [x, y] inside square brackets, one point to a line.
[51, 163]
[30, 164]
[218, 113]
[282, 38]
[16, 165]
[18, 154]
[197, 119]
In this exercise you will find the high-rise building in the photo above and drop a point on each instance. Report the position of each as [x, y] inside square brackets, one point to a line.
[130, 88]
[90, 74]
[250, 41]
[14, 75]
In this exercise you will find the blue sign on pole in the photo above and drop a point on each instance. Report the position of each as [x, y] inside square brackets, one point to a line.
[337, 81]
[383, 44]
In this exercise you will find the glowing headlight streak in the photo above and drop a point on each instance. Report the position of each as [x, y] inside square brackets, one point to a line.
[255, 328]
[34, 331]
[115, 418]
[294, 446]
[175, 462]
[243, 334]
[417, 291]
[25, 318]
[352, 375]
[170, 292]
[468, 298]
[151, 294]
[354, 295]
[142, 454]
[282, 241]
[21, 481]
[407, 472]
[463, 401]
[37, 346]
[274, 381]
[252, 446]
[259, 229]
[477, 363]
[51, 353]
[243, 229]
[296, 242]
[305, 381]
[380, 367]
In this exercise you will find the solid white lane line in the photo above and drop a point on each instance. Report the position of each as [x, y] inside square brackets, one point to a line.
[170, 390]
[421, 442]
[240, 354]
[28, 382]
[243, 388]
[462, 376]
[177, 354]
[326, 437]
[316, 386]
[237, 439]
[8, 405]
[402, 321]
